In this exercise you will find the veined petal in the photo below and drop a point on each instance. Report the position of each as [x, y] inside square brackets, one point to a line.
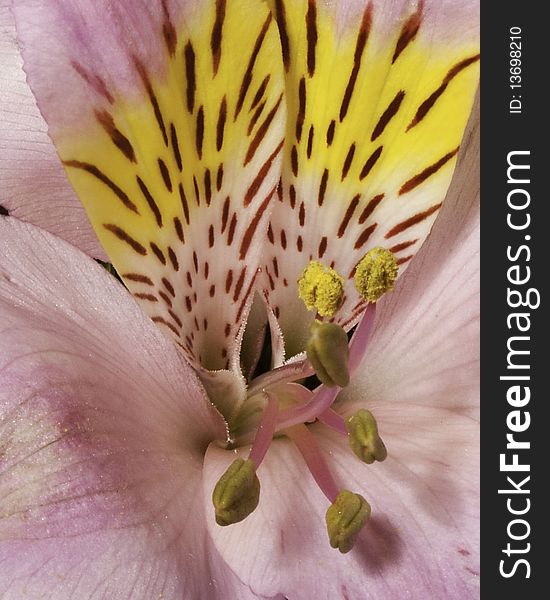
[102, 431]
[378, 96]
[33, 186]
[425, 348]
[168, 117]
[422, 538]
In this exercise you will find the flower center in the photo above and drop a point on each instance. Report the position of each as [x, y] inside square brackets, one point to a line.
[288, 406]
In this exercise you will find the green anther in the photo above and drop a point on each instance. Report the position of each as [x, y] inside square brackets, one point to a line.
[237, 493]
[321, 289]
[363, 437]
[376, 273]
[345, 519]
[328, 352]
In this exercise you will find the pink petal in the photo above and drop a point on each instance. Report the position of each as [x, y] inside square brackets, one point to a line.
[378, 96]
[156, 114]
[422, 539]
[426, 345]
[33, 186]
[90, 52]
[102, 433]
[444, 16]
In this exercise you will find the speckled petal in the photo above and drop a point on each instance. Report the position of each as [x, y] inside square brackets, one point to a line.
[378, 97]
[169, 118]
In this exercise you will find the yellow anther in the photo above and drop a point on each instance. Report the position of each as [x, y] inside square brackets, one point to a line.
[327, 351]
[345, 518]
[321, 289]
[363, 437]
[376, 273]
[237, 492]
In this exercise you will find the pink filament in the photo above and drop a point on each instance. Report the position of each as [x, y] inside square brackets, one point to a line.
[324, 396]
[334, 420]
[361, 337]
[306, 444]
[322, 399]
[264, 435]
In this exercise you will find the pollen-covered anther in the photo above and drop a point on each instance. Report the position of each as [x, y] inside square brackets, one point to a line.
[376, 273]
[328, 352]
[345, 518]
[364, 438]
[321, 289]
[237, 492]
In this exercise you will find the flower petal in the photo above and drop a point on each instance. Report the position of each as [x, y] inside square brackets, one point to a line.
[425, 348]
[102, 432]
[378, 97]
[33, 186]
[169, 118]
[421, 541]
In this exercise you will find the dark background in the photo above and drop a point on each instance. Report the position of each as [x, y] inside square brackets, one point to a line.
[501, 133]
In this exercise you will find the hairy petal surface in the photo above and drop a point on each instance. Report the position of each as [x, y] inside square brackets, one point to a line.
[168, 117]
[33, 186]
[421, 541]
[102, 433]
[378, 97]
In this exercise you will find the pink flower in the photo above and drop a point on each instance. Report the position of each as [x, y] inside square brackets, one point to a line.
[218, 148]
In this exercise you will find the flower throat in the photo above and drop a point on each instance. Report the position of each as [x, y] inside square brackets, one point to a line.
[283, 401]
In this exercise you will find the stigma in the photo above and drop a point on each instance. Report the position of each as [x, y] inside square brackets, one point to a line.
[289, 407]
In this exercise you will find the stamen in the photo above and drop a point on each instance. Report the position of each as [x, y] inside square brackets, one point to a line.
[376, 274]
[328, 352]
[321, 289]
[266, 430]
[361, 430]
[324, 396]
[348, 512]
[306, 444]
[363, 437]
[237, 492]
[345, 519]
